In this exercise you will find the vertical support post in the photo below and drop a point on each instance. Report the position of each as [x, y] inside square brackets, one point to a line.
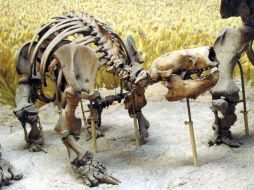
[121, 86]
[59, 109]
[244, 111]
[93, 128]
[42, 133]
[41, 130]
[136, 127]
[84, 117]
[25, 131]
[136, 131]
[58, 101]
[192, 136]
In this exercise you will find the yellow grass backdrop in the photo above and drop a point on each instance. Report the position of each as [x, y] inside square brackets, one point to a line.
[158, 26]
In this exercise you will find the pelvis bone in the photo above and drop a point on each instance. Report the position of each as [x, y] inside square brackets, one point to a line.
[187, 73]
[79, 64]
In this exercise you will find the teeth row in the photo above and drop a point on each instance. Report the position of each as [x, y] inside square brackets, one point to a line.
[214, 69]
[201, 76]
[200, 70]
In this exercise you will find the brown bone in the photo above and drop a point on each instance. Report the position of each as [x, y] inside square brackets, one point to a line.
[170, 66]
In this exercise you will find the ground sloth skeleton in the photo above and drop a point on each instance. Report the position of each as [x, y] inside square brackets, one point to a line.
[229, 46]
[71, 49]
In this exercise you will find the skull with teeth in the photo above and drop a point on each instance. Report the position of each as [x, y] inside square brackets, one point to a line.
[178, 69]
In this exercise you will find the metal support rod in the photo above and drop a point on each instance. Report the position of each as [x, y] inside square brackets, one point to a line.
[84, 117]
[59, 109]
[136, 131]
[244, 111]
[115, 86]
[25, 131]
[41, 130]
[192, 136]
[58, 101]
[93, 128]
[121, 86]
[42, 135]
[136, 126]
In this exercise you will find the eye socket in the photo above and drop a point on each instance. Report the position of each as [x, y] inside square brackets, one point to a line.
[212, 55]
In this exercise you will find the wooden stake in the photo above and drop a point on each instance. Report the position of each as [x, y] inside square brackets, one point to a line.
[245, 112]
[84, 117]
[136, 126]
[93, 129]
[246, 124]
[192, 135]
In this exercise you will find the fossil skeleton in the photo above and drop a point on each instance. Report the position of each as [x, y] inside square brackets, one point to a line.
[8, 172]
[229, 46]
[71, 49]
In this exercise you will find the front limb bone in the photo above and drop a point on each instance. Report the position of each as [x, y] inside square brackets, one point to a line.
[95, 114]
[69, 127]
[84, 165]
[134, 103]
[223, 122]
[27, 113]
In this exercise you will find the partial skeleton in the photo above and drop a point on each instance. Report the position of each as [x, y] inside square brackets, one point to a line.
[71, 49]
[8, 172]
[229, 46]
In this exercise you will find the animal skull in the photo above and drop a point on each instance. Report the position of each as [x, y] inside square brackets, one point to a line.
[187, 73]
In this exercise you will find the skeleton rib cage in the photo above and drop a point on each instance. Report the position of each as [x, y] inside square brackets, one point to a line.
[76, 29]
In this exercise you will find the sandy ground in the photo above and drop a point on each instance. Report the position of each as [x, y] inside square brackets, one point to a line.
[164, 163]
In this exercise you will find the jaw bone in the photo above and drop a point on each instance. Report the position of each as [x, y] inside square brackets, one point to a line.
[179, 88]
